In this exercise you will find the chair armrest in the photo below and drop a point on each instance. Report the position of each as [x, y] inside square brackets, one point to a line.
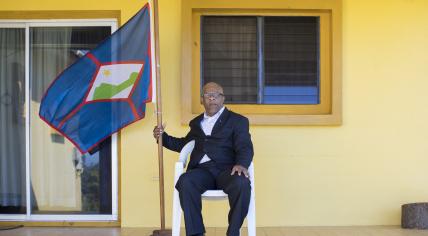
[186, 151]
[181, 163]
[179, 170]
[251, 172]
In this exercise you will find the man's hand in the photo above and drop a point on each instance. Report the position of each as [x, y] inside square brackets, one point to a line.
[240, 169]
[157, 132]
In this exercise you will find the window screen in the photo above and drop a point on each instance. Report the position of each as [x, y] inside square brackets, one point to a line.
[265, 60]
[229, 52]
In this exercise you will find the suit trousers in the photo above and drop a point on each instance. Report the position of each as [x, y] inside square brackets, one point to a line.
[207, 176]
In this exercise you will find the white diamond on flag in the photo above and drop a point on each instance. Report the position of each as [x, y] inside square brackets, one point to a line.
[114, 81]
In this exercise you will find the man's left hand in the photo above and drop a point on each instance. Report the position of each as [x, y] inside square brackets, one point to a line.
[240, 169]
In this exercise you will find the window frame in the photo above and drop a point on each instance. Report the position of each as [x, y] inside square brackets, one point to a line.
[115, 148]
[292, 109]
[327, 112]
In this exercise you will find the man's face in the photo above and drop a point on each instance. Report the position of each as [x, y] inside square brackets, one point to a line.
[212, 98]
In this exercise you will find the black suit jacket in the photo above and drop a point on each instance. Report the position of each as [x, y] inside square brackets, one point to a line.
[229, 143]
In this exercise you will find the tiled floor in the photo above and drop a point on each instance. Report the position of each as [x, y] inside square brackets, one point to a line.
[262, 231]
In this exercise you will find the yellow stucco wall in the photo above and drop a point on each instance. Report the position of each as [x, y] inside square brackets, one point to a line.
[358, 173]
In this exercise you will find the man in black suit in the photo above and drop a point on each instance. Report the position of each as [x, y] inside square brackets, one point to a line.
[220, 160]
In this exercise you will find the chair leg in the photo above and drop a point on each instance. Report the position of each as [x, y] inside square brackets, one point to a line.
[251, 217]
[176, 218]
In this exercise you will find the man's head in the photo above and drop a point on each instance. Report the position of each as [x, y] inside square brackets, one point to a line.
[212, 98]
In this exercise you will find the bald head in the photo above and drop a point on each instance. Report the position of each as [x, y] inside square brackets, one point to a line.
[211, 86]
[212, 98]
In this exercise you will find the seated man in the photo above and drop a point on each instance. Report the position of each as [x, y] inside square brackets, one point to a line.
[222, 154]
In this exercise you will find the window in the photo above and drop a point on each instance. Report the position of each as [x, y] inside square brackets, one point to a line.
[262, 60]
[43, 176]
[277, 66]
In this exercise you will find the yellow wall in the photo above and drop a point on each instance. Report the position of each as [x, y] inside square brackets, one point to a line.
[355, 174]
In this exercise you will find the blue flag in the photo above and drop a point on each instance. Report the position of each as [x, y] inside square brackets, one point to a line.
[105, 90]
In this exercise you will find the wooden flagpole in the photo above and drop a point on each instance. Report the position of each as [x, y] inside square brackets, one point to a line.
[162, 230]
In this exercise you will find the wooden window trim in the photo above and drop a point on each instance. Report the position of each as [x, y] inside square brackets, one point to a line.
[328, 112]
[60, 15]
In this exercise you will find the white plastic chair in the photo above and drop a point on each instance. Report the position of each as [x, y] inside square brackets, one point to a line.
[208, 195]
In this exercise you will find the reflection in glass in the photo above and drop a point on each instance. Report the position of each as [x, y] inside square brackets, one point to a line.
[12, 121]
[64, 181]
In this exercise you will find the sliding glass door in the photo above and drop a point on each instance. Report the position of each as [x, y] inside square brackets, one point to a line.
[43, 176]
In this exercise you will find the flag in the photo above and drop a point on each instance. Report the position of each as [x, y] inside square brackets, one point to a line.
[106, 89]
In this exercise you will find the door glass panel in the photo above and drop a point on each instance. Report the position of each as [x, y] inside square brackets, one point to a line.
[12, 121]
[63, 181]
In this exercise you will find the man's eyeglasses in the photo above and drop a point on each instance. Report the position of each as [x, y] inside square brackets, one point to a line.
[212, 95]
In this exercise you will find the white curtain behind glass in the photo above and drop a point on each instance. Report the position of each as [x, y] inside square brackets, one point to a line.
[50, 54]
[12, 118]
[54, 179]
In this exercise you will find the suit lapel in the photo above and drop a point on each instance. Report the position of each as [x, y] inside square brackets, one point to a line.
[220, 121]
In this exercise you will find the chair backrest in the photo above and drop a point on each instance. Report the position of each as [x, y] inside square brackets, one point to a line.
[186, 151]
